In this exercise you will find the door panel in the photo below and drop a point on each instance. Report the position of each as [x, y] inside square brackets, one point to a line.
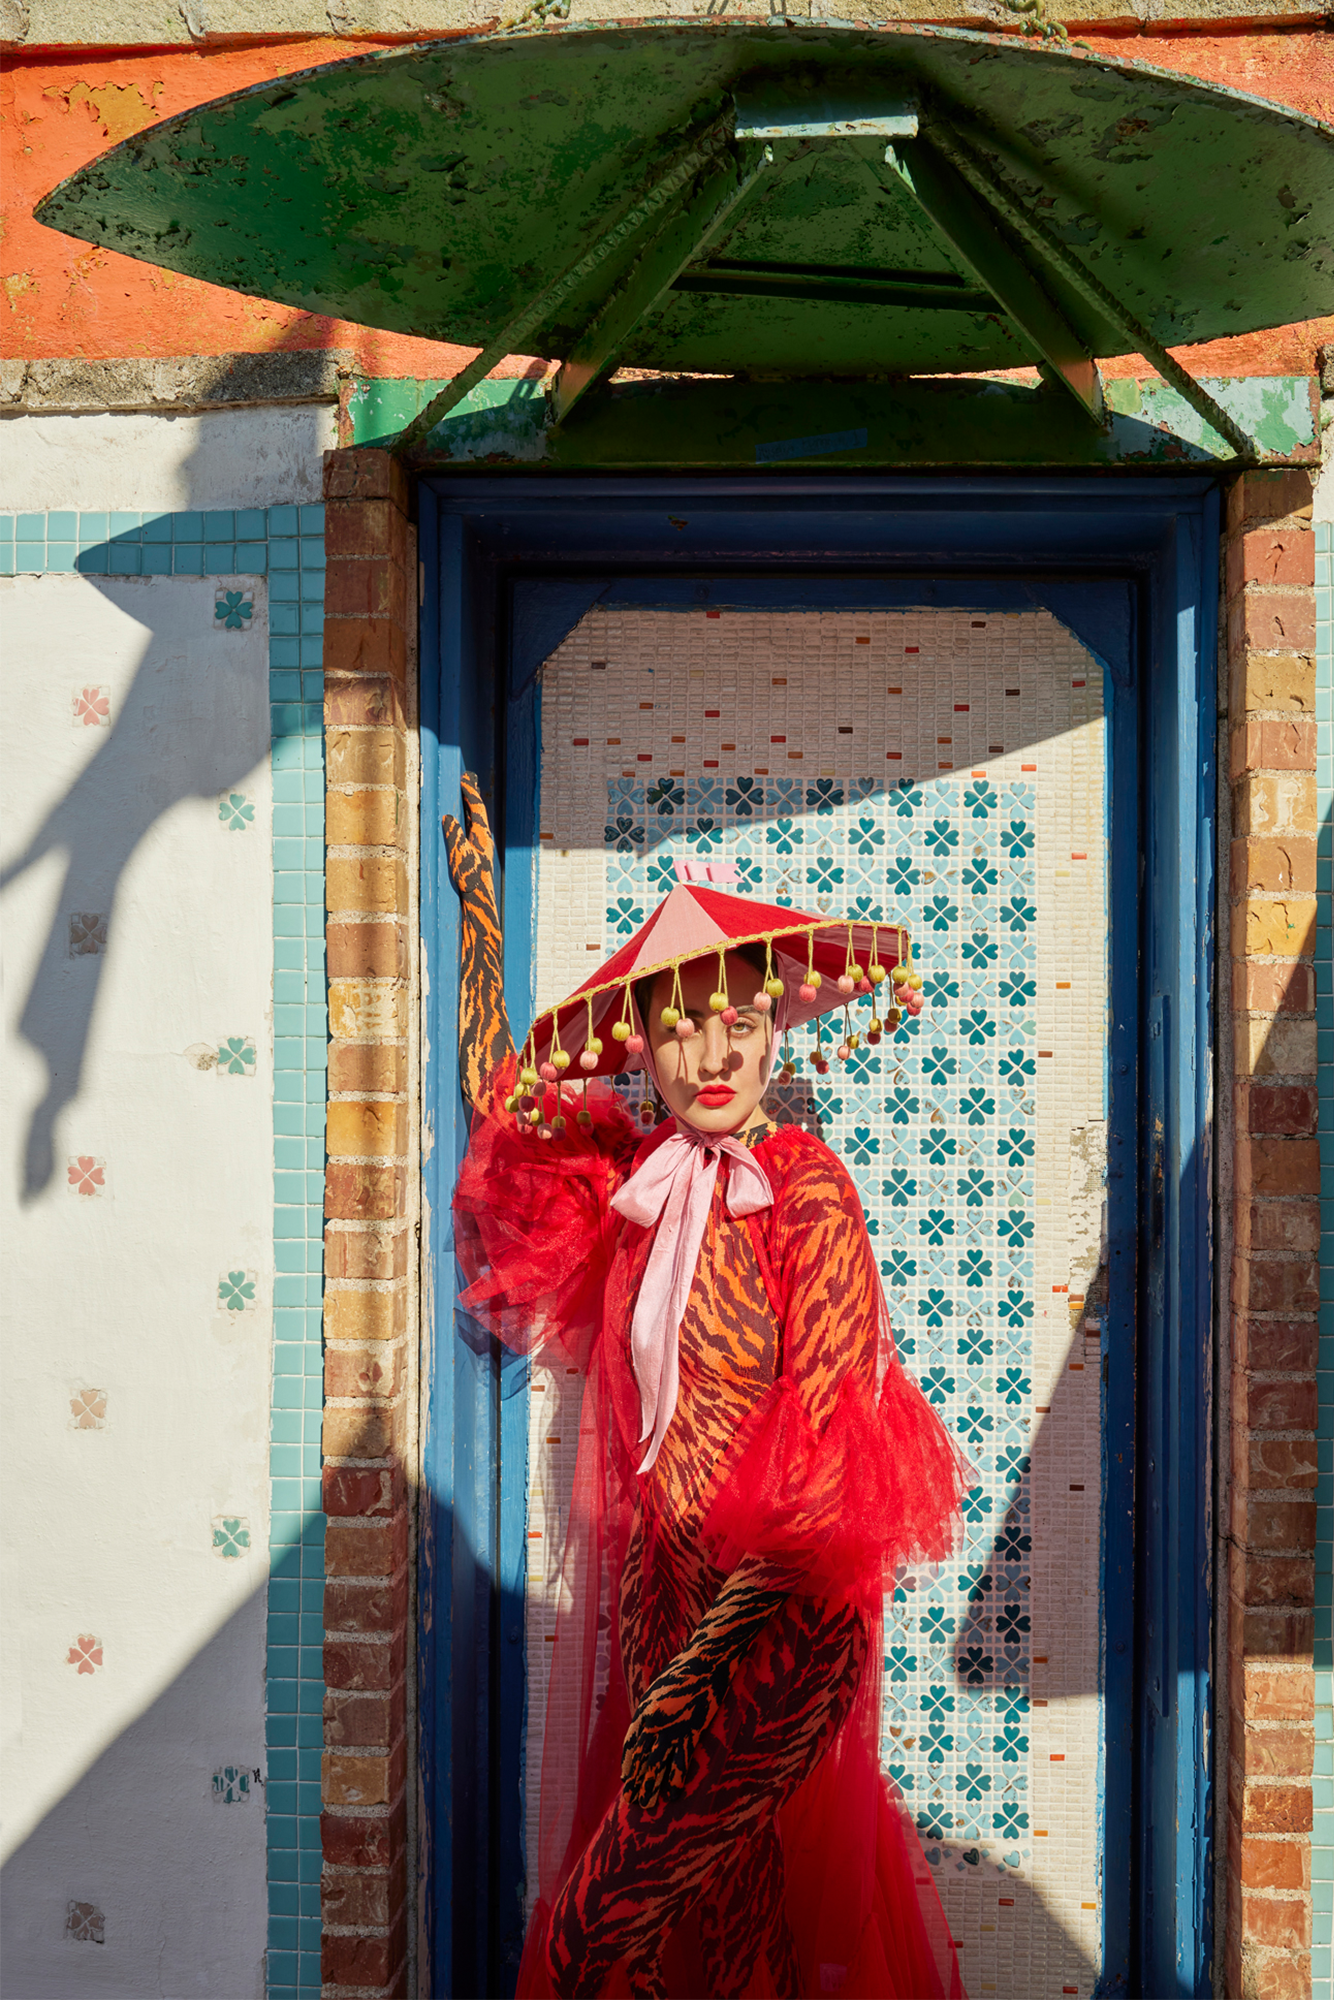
[949, 769]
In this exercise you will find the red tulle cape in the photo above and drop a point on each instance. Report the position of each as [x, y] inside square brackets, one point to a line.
[827, 1511]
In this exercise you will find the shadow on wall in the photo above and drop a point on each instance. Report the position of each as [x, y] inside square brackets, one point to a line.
[146, 764]
[78, 1920]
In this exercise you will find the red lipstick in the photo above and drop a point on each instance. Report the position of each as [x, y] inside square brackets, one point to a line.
[715, 1095]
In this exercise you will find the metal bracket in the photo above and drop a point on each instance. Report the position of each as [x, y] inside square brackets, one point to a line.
[949, 142]
[512, 336]
[682, 236]
[969, 225]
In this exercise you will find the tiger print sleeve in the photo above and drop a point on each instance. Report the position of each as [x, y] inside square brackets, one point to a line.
[485, 1040]
[843, 1471]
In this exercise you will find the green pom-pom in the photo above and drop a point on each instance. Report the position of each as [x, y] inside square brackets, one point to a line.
[876, 974]
[561, 1058]
[669, 1017]
[585, 1119]
[621, 1032]
[595, 1044]
[717, 1001]
[774, 988]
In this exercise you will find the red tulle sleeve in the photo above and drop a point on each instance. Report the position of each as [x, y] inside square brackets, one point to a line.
[843, 1471]
[533, 1230]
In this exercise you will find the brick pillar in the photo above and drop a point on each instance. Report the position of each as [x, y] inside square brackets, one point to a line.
[369, 1211]
[1275, 1290]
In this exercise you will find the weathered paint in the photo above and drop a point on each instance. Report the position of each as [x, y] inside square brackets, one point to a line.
[67, 299]
[856, 427]
[446, 189]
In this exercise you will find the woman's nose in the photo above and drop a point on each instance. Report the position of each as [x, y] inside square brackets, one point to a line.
[716, 1051]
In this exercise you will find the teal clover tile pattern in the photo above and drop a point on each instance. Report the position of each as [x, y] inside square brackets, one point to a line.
[234, 610]
[236, 1291]
[286, 546]
[236, 1056]
[231, 1536]
[235, 1785]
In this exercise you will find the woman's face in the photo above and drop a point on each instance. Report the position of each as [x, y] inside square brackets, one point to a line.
[714, 1077]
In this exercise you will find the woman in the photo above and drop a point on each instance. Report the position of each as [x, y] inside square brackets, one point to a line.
[753, 1462]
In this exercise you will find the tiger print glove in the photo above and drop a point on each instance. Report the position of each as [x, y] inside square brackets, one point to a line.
[674, 1714]
[484, 1029]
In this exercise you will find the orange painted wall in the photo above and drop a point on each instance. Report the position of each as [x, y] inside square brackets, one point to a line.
[65, 298]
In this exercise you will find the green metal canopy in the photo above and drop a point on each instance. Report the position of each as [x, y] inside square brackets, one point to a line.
[773, 202]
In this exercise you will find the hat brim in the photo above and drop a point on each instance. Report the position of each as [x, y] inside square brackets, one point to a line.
[709, 923]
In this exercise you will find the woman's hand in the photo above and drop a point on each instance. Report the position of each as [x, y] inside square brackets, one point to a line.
[484, 1030]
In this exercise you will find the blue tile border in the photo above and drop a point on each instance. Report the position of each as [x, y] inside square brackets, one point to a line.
[1322, 1835]
[285, 545]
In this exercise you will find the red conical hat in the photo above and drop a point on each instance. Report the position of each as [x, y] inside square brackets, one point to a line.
[694, 920]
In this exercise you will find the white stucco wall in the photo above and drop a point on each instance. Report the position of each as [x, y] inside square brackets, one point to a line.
[114, 1519]
[215, 458]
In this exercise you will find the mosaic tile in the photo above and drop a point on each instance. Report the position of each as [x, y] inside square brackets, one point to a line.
[231, 1536]
[87, 934]
[85, 1655]
[85, 1923]
[975, 1138]
[88, 1410]
[236, 812]
[86, 1175]
[234, 1785]
[90, 707]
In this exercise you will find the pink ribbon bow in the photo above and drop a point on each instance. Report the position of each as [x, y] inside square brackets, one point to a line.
[674, 1188]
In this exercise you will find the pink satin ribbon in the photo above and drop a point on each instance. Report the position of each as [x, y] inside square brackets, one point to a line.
[674, 1188]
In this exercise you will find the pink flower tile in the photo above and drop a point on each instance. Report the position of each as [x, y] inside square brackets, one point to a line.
[86, 1175]
[85, 1655]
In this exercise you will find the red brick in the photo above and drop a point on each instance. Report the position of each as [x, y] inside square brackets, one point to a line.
[365, 1721]
[365, 1665]
[363, 1899]
[1269, 1580]
[366, 757]
[1268, 1977]
[1272, 865]
[375, 1254]
[373, 1431]
[1275, 1864]
[1272, 1525]
[1278, 1107]
[1266, 1636]
[1277, 1751]
[366, 702]
[1272, 621]
[1281, 1406]
[1271, 556]
[357, 1961]
[363, 647]
[374, 588]
[1263, 1285]
[1274, 1808]
[1273, 989]
[366, 951]
[362, 1371]
[366, 1490]
[1283, 1923]
[378, 527]
[1275, 1693]
[1278, 1346]
[376, 1067]
[1273, 746]
[372, 1841]
[365, 1607]
[1268, 495]
[363, 1193]
[366, 1548]
[365, 472]
[1284, 1222]
[1275, 1464]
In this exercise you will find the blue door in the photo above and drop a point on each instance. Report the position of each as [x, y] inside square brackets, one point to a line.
[981, 708]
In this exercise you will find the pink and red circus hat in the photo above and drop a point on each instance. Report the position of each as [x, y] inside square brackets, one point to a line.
[813, 964]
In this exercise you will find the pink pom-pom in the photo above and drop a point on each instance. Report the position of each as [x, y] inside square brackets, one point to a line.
[913, 1003]
[847, 984]
[805, 994]
[588, 1060]
[864, 985]
[684, 1030]
[819, 1065]
[548, 1072]
[761, 1003]
[544, 1131]
[634, 1045]
[728, 1017]
[843, 1052]
[527, 1103]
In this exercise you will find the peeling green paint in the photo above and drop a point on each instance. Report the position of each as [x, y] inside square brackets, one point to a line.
[916, 422]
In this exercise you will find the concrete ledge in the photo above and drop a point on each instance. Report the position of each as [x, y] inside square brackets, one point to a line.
[57, 24]
[72, 387]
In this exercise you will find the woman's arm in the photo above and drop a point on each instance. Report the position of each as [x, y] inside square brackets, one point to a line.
[687, 1694]
[485, 1040]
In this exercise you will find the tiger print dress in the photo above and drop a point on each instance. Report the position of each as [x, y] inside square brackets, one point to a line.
[802, 1460]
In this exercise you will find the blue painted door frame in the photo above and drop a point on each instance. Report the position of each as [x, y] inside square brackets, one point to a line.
[1131, 566]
